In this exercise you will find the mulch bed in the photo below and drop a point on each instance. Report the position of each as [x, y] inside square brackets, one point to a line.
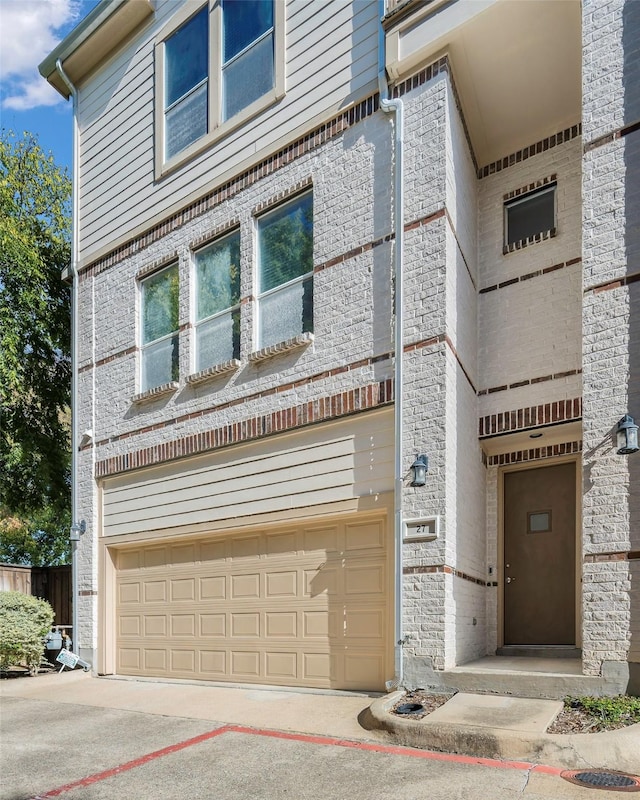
[569, 720]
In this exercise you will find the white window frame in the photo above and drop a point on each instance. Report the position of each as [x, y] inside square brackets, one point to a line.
[260, 296]
[197, 323]
[145, 347]
[216, 127]
[516, 201]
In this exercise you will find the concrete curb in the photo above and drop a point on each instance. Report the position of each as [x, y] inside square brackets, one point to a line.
[619, 749]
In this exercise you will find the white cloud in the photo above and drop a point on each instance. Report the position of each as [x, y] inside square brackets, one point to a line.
[29, 31]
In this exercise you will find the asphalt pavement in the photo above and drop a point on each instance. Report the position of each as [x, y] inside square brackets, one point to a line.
[166, 745]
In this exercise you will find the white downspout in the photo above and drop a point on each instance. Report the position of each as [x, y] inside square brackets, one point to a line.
[76, 527]
[396, 107]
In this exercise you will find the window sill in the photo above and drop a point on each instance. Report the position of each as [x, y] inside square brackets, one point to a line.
[302, 340]
[157, 391]
[539, 237]
[211, 372]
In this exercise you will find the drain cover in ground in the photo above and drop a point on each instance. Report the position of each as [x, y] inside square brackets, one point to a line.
[603, 779]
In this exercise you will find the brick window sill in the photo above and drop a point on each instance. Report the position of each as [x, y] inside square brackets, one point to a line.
[302, 340]
[539, 237]
[211, 372]
[157, 391]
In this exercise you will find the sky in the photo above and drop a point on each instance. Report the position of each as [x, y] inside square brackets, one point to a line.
[29, 31]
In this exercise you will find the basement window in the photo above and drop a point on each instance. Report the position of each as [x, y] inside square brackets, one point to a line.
[530, 218]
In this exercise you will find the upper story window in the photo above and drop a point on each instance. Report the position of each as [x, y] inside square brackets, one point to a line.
[285, 271]
[208, 89]
[217, 273]
[159, 329]
[530, 216]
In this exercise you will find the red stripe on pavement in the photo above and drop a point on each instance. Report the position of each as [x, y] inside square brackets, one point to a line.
[137, 762]
[301, 737]
[397, 750]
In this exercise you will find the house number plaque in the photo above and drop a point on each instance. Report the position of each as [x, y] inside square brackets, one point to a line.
[424, 528]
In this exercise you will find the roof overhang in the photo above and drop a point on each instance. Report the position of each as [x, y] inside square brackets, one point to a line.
[96, 37]
[516, 64]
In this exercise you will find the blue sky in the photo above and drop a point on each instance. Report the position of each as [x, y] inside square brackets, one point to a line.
[29, 30]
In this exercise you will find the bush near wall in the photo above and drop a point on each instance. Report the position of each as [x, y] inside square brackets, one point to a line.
[24, 623]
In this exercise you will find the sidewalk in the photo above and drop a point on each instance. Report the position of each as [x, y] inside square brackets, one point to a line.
[485, 726]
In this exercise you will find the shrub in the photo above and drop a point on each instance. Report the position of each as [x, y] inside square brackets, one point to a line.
[24, 623]
[608, 712]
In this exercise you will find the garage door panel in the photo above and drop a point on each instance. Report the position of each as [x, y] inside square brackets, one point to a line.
[281, 624]
[183, 589]
[183, 624]
[243, 586]
[213, 663]
[154, 591]
[268, 608]
[213, 625]
[245, 664]
[243, 625]
[155, 625]
[281, 584]
[279, 666]
[213, 588]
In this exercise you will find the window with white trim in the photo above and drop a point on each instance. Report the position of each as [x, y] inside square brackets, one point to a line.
[159, 329]
[530, 215]
[285, 271]
[217, 291]
[208, 89]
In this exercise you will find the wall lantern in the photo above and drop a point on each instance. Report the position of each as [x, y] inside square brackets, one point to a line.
[627, 436]
[420, 466]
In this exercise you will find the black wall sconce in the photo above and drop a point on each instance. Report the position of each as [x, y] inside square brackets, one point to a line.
[420, 467]
[627, 436]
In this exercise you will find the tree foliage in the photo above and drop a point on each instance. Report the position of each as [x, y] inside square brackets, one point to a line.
[35, 364]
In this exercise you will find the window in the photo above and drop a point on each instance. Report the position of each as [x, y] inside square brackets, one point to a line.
[186, 84]
[160, 329]
[217, 272]
[210, 89]
[285, 272]
[247, 68]
[530, 215]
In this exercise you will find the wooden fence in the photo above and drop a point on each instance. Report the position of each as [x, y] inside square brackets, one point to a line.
[52, 584]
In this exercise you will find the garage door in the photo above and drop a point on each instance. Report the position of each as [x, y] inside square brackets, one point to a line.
[307, 606]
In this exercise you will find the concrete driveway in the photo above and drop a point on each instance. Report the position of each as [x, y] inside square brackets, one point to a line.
[52, 747]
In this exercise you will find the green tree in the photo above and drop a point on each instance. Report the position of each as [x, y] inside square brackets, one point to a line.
[35, 365]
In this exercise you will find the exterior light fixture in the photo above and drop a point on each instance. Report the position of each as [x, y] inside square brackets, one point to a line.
[627, 436]
[420, 466]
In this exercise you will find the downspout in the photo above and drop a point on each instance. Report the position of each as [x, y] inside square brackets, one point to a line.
[77, 528]
[395, 106]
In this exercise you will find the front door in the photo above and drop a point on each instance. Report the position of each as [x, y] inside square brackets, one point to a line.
[539, 556]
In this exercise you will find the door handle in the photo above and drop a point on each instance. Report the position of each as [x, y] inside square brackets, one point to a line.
[509, 580]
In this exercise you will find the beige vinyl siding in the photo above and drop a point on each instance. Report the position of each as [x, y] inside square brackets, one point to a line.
[331, 61]
[319, 466]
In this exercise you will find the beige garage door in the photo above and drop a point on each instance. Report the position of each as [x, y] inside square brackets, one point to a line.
[308, 606]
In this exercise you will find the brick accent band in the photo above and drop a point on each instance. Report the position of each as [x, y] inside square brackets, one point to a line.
[534, 454]
[364, 398]
[530, 417]
[445, 568]
[542, 146]
[618, 283]
[599, 558]
[619, 133]
[555, 376]
[529, 275]
[87, 593]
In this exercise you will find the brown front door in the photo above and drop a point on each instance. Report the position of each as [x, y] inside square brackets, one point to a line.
[539, 556]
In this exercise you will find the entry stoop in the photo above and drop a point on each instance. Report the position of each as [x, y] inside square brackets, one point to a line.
[549, 678]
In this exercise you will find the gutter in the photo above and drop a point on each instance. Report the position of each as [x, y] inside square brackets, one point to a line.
[77, 528]
[395, 106]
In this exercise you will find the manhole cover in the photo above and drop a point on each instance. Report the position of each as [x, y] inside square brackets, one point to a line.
[603, 779]
[409, 708]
